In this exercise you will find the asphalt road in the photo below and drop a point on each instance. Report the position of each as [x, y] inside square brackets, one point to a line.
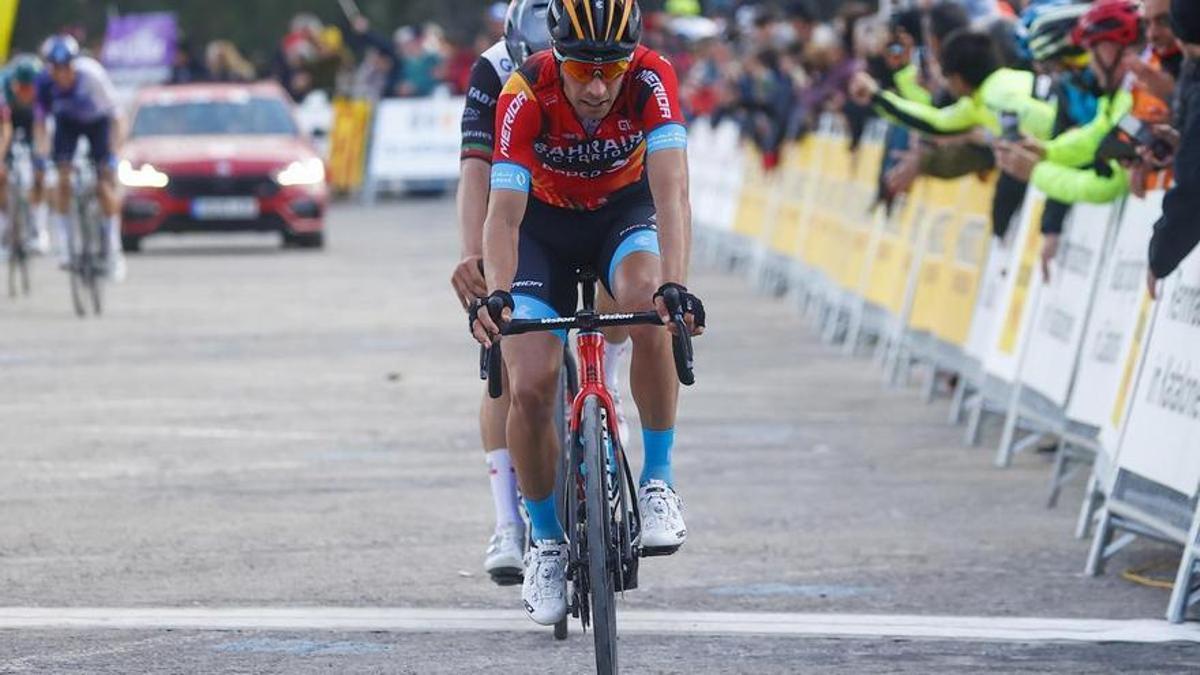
[250, 427]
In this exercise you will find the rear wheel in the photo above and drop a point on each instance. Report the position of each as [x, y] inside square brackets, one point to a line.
[95, 243]
[77, 268]
[601, 552]
[131, 243]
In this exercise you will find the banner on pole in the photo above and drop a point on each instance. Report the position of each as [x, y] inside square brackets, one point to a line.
[1062, 313]
[139, 49]
[1114, 316]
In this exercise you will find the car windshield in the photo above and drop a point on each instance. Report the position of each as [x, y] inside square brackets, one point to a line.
[204, 118]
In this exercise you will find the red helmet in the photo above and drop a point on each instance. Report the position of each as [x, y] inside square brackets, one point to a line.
[1119, 21]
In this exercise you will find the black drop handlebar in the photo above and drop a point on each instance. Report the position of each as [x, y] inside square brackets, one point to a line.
[589, 320]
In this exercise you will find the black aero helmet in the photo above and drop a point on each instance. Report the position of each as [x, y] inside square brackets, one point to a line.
[25, 69]
[526, 30]
[596, 31]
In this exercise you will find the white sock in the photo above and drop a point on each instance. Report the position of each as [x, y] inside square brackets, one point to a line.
[614, 363]
[62, 226]
[112, 228]
[504, 487]
[41, 219]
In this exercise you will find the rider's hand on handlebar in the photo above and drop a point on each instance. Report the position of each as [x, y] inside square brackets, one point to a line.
[486, 315]
[468, 280]
[692, 307]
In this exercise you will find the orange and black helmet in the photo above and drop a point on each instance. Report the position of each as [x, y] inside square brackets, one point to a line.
[596, 31]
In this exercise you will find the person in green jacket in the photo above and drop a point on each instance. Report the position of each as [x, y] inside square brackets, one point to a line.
[984, 91]
[1111, 31]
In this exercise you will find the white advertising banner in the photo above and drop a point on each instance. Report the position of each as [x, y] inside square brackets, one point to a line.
[1019, 294]
[1162, 434]
[1062, 311]
[416, 140]
[988, 305]
[1114, 317]
[730, 168]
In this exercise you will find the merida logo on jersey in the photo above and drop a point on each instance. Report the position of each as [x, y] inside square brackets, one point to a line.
[510, 118]
[659, 90]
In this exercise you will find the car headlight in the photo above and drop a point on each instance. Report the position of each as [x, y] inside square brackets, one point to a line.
[309, 171]
[146, 176]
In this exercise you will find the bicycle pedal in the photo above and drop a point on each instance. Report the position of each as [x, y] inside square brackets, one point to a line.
[659, 551]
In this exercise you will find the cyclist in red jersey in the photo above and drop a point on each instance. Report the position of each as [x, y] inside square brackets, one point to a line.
[589, 169]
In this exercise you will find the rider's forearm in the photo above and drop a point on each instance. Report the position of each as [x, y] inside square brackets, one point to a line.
[473, 192]
[668, 176]
[505, 211]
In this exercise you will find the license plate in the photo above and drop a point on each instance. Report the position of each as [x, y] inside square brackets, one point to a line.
[225, 208]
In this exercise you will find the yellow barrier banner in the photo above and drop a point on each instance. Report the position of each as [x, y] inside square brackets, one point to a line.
[967, 255]
[893, 257]
[348, 143]
[1031, 249]
[8, 19]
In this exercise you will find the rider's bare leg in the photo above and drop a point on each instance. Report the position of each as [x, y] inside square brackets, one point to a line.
[533, 363]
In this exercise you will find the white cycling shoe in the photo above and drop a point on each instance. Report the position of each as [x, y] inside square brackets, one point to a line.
[545, 589]
[505, 553]
[661, 509]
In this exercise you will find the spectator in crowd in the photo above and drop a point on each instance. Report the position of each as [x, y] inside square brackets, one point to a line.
[1112, 32]
[1178, 231]
[379, 69]
[185, 69]
[1162, 64]
[226, 64]
[422, 51]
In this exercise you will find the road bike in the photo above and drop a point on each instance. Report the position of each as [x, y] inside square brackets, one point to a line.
[19, 223]
[86, 243]
[597, 491]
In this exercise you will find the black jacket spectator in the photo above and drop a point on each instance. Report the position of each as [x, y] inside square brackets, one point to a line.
[1178, 232]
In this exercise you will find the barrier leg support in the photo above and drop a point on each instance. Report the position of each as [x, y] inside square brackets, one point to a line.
[1101, 539]
[929, 386]
[1004, 453]
[1184, 595]
[1060, 474]
[959, 398]
[974, 420]
[1092, 500]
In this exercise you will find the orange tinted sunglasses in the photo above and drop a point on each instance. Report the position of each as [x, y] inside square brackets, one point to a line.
[582, 71]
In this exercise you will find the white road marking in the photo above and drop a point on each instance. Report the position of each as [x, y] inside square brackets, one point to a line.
[980, 629]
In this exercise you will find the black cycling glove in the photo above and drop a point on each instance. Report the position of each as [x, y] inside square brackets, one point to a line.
[496, 303]
[678, 299]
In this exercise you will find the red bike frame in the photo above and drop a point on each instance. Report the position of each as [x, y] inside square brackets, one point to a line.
[591, 380]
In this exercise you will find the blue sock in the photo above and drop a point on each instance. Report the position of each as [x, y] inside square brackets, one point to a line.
[657, 464]
[543, 517]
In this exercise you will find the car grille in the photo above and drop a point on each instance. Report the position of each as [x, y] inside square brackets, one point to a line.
[216, 186]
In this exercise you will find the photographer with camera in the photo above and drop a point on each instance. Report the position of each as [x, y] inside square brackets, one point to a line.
[1178, 231]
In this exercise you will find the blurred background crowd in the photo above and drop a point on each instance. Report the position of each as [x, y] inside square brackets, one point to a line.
[773, 66]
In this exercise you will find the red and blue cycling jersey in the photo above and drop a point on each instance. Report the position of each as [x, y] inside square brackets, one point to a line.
[543, 148]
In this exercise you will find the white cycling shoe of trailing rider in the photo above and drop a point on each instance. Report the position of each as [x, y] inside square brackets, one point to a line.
[114, 267]
[544, 591]
[505, 554]
[661, 509]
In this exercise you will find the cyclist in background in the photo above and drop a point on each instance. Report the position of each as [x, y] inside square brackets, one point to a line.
[590, 168]
[19, 83]
[526, 33]
[78, 93]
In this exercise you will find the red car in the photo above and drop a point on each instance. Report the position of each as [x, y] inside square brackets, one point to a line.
[220, 158]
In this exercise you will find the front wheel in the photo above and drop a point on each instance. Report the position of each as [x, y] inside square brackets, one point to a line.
[601, 552]
[310, 240]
